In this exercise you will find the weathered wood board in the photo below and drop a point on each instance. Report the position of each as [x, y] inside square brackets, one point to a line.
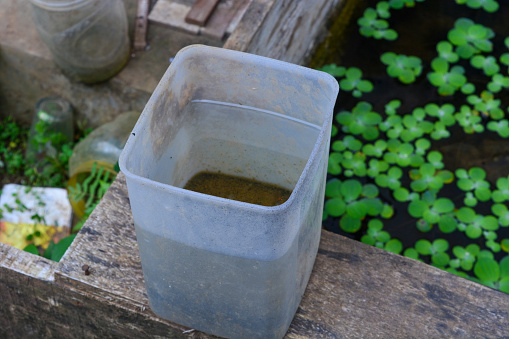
[282, 29]
[354, 291]
[200, 12]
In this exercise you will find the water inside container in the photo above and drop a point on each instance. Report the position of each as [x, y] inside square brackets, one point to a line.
[217, 293]
[237, 140]
[238, 188]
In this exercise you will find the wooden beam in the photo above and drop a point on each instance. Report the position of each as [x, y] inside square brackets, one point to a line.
[140, 28]
[201, 11]
[355, 290]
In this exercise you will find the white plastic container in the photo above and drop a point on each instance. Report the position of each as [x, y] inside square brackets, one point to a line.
[221, 266]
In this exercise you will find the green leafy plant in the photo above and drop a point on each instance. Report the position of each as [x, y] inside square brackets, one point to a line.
[373, 25]
[488, 5]
[360, 121]
[398, 148]
[470, 38]
[12, 144]
[352, 201]
[405, 68]
[436, 249]
[91, 190]
[474, 180]
[447, 79]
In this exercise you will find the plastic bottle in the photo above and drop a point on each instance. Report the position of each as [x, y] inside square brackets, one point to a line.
[88, 38]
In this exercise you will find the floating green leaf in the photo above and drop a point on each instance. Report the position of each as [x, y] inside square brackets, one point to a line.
[487, 270]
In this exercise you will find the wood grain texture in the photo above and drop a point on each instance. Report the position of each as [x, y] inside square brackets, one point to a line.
[220, 19]
[140, 28]
[355, 290]
[284, 30]
[201, 11]
[171, 14]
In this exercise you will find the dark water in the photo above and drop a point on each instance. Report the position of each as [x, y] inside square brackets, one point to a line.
[238, 188]
[420, 29]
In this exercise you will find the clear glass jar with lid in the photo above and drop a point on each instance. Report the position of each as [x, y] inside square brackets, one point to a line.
[88, 39]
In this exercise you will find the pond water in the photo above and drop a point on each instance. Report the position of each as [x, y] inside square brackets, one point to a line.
[420, 26]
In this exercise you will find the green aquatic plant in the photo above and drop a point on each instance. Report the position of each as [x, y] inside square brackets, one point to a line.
[470, 38]
[474, 180]
[429, 211]
[476, 224]
[354, 164]
[486, 105]
[403, 67]
[373, 24]
[375, 235]
[501, 193]
[488, 5]
[493, 274]
[398, 4]
[498, 81]
[402, 194]
[334, 70]
[353, 82]
[349, 142]
[444, 113]
[502, 212]
[334, 164]
[391, 179]
[399, 153]
[414, 127]
[465, 256]
[352, 201]
[421, 146]
[469, 119]
[360, 121]
[504, 244]
[504, 58]
[440, 131]
[487, 63]
[397, 149]
[501, 127]
[446, 51]
[376, 149]
[436, 249]
[392, 106]
[447, 79]
[376, 167]
[350, 79]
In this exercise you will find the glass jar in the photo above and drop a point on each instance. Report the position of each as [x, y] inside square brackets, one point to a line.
[101, 147]
[88, 39]
[52, 116]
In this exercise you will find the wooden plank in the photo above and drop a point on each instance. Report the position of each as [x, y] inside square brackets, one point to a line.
[201, 11]
[355, 290]
[34, 308]
[172, 14]
[222, 16]
[140, 28]
[287, 29]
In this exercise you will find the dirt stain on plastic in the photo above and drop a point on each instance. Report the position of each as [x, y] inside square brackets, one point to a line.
[238, 188]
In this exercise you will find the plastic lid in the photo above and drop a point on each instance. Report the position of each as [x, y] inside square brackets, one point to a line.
[60, 5]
